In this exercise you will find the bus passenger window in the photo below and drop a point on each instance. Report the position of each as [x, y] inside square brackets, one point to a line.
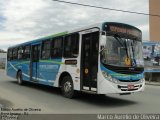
[71, 46]
[57, 47]
[15, 54]
[46, 49]
[9, 55]
[20, 53]
[26, 54]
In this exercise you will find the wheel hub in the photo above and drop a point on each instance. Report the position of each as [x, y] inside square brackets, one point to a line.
[67, 86]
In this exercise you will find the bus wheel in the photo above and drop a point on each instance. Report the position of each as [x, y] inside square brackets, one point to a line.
[67, 87]
[19, 78]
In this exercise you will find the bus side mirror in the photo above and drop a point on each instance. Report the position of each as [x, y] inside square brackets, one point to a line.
[103, 40]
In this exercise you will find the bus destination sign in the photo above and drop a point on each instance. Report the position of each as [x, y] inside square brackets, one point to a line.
[123, 30]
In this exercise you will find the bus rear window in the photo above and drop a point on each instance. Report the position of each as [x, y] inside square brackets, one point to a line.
[15, 54]
[9, 55]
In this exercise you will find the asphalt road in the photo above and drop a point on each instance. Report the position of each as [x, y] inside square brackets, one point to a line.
[49, 100]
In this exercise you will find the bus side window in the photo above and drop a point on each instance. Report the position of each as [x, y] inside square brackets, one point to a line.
[9, 55]
[56, 51]
[71, 46]
[20, 53]
[26, 52]
[45, 49]
[15, 54]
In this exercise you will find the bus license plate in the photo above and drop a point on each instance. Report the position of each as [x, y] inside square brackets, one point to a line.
[130, 87]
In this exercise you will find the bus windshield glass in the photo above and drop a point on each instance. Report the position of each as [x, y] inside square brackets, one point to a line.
[122, 52]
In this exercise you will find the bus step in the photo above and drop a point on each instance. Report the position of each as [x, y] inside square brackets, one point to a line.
[91, 92]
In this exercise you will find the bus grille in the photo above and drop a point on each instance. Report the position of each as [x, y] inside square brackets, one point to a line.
[129, 80]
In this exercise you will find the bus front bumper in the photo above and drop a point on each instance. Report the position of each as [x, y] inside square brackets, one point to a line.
[106, 87]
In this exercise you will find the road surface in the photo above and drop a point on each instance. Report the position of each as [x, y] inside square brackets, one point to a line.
[49, 100]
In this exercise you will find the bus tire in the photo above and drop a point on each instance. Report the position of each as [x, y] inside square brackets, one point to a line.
[67, 87]
[19, 78]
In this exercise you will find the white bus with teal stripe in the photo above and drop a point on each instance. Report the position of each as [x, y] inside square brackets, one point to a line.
[102, 58]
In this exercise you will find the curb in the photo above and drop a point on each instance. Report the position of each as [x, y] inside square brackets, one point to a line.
[153, 83]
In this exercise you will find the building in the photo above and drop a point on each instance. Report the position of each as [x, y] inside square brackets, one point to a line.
[3, 56]
[154, 8]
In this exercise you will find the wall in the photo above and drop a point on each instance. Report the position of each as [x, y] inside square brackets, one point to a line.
[154, 8]
[3, 57]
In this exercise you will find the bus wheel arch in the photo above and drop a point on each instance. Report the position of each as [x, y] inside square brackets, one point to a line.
[19, 77]
[66, 85]
[61, 78]
[18, 72]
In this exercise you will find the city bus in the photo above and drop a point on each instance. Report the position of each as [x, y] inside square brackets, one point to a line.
[102, 58]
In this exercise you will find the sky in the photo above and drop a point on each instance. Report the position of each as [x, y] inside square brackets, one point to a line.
[25, 20]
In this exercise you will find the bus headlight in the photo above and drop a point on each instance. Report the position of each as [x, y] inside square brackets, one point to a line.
[108, 77]
[142, 80]
[114, 80]
[105, 74]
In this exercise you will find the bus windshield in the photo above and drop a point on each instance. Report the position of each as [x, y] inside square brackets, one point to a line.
[122, 52]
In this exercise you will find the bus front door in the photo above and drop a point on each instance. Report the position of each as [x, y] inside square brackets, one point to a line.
[89, 61]
[34, 65]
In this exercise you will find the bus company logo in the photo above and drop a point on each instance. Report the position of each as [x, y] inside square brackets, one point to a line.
[48, 67]
[130, 79]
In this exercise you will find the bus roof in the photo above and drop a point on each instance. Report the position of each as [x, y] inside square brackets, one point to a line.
[98, 25]
[40, 39]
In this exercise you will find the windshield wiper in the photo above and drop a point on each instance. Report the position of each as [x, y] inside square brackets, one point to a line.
[124, 44]
[132, 50]
[133, 54]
